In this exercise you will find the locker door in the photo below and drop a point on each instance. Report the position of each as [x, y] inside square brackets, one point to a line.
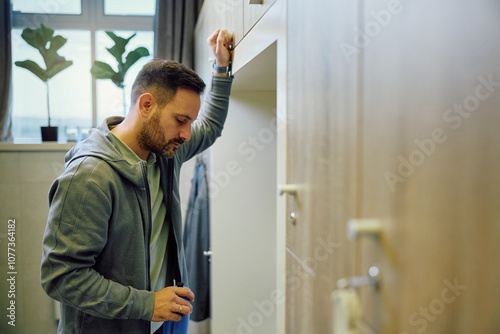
[430, 160]
[321, 160]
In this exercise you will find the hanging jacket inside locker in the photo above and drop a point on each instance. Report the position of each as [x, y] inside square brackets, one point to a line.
[196, 241]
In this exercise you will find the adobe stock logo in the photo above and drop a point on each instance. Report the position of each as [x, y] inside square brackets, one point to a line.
[377, 21]
[299, 271]
[453, 117]
[436, 307]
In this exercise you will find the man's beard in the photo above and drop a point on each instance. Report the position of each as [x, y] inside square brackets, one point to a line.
[150, 138]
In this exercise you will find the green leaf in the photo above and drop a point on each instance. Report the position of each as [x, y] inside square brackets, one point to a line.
[117, 52]
[30, 36]
[112, 35]
[59, 67]
[43, 35]
[118, 39]
[33, 68]
[40, 39]
[51, 59]
[102, 70]
[134, 56]
[118, 80]
[118, 49]
[56, 43]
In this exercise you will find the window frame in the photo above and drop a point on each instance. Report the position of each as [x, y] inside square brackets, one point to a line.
[92, 18]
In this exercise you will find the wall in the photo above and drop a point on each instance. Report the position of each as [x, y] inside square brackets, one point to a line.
[243, 231]
[25, 179]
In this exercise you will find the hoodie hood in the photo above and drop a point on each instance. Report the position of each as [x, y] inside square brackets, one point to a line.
[101, 144]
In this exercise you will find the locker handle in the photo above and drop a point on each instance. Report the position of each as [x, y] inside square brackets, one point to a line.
[372, 279]
[288, 189]
[364, 226]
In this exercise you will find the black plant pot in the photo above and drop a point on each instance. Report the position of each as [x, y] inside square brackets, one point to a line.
[49, 133]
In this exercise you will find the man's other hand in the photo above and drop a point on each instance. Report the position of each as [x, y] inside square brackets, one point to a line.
[169, 304]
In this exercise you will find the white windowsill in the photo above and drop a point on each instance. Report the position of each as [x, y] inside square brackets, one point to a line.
[41, 147]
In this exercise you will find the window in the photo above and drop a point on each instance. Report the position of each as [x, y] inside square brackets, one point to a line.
[129, 7]
[48, 7]
[77, 101]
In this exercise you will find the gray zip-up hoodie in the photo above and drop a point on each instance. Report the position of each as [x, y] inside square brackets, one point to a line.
[96, 245]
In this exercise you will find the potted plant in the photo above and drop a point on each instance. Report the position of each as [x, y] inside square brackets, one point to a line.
[47, 44]
[101, 70]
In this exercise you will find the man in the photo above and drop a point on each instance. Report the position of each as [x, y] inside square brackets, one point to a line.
[112, 249]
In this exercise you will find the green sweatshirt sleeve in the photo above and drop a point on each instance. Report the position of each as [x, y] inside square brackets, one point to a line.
[208, 127]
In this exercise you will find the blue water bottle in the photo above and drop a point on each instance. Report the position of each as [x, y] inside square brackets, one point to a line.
[177, 327]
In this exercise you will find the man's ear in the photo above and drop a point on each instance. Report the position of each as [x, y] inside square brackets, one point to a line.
[146, 102]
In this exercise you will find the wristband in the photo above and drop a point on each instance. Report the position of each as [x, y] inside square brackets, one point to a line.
[220, 69]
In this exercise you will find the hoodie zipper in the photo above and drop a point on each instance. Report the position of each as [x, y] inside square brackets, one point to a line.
[148, 237]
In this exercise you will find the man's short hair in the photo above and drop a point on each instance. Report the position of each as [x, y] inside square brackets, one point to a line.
[162, 78]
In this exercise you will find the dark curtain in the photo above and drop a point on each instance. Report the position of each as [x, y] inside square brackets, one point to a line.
[5, 72]
[175, 21]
